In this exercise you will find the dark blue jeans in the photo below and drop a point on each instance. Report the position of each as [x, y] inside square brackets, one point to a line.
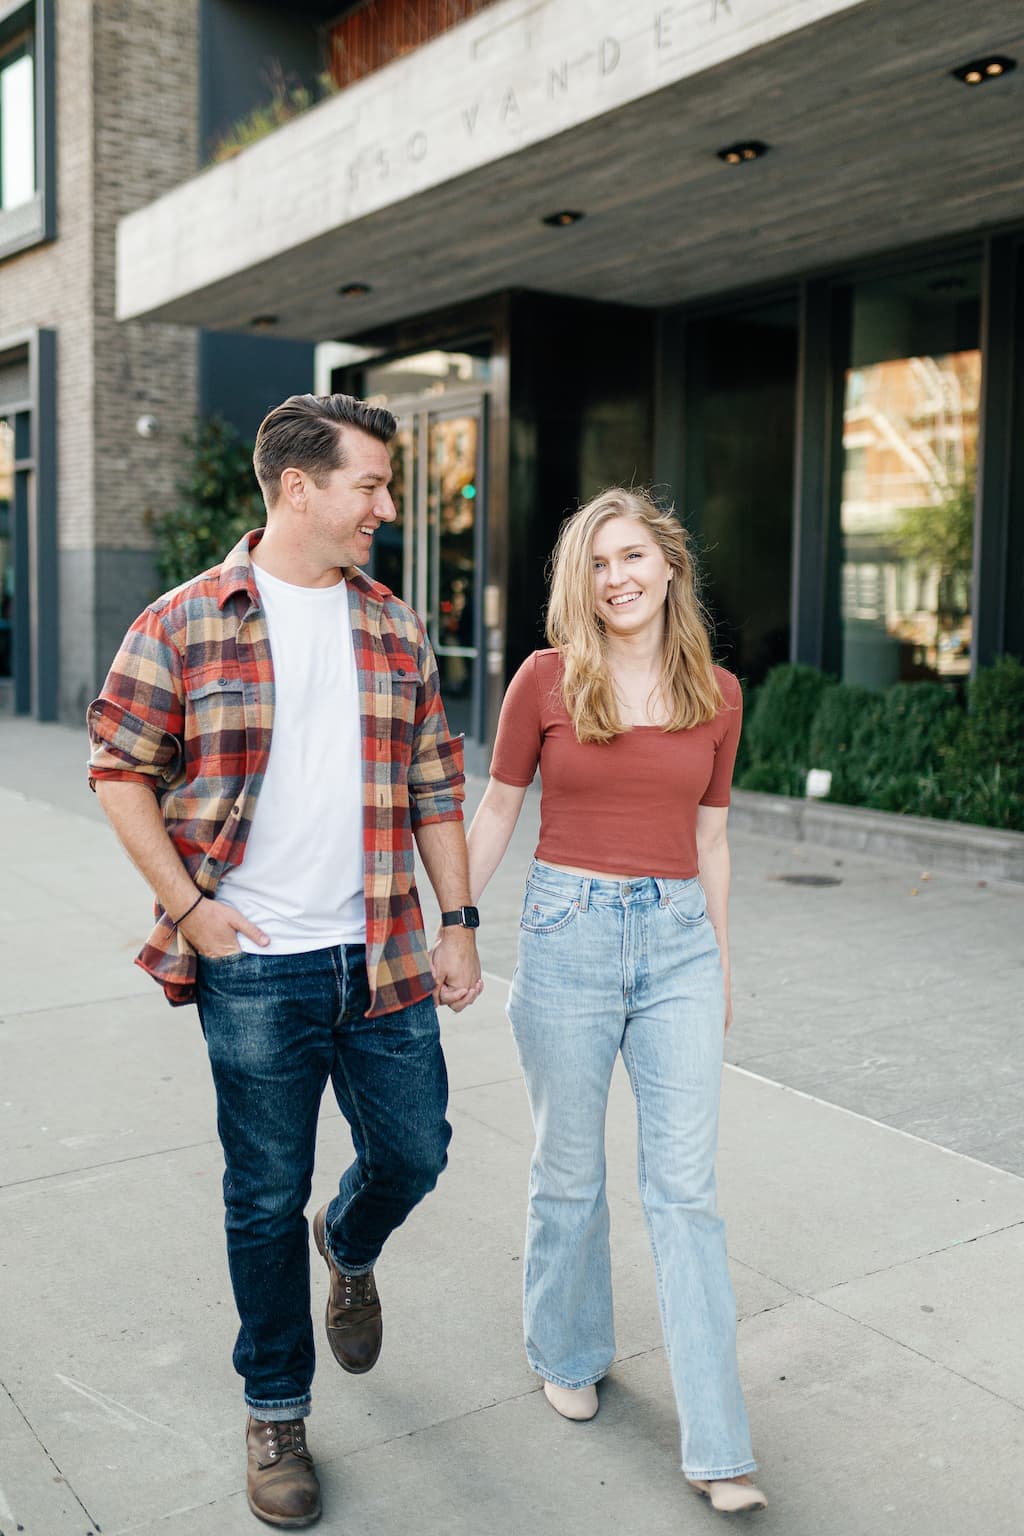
[277, 1027]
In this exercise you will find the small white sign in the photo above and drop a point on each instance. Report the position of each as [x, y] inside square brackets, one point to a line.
[819, 782]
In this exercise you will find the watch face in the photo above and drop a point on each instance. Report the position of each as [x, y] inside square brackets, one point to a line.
[470, 917]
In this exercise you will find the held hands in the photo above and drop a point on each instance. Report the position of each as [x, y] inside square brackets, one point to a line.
[212, 927]
[456, 967]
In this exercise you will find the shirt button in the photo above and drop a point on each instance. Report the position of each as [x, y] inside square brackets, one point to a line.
[222, 682]
[236, 810]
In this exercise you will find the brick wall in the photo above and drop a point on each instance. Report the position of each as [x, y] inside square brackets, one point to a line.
[51, 285]
[145, 137]
[126, 130]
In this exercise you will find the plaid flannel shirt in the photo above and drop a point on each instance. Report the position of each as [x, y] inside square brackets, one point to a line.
[188, 709]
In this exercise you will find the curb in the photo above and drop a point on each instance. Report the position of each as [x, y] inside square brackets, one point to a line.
[985, 852]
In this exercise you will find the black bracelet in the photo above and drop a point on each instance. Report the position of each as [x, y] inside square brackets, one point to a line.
[179, 920]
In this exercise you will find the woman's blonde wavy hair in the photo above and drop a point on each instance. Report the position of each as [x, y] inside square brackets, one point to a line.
[573, 628]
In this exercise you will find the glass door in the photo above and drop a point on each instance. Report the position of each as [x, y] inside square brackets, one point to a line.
[447, 560]
[431, 556]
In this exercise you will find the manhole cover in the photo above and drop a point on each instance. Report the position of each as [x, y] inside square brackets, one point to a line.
[809, 879]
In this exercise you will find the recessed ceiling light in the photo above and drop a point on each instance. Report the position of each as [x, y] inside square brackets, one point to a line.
[740, 154]
[978, 71]
[563, 218]
[354, 290]
[263, 322]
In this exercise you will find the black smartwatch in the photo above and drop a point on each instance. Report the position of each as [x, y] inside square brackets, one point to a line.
[462, 917]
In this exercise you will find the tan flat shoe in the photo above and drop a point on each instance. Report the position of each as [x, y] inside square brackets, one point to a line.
[579, 1403]
[730, 1496]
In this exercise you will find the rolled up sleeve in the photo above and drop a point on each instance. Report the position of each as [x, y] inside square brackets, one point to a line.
[136, 722]
[437, 778]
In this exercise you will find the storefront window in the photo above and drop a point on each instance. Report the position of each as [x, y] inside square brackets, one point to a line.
[910, 434]
[741, 411]
[17, 124]
[426, 373]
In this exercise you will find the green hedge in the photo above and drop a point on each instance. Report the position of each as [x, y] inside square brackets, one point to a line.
[843, 710]
[911, 748]
[986, 771]
[779, 728]
[219, 501]
[900, 751]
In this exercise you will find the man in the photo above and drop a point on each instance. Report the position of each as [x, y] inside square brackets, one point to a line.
[267, 744]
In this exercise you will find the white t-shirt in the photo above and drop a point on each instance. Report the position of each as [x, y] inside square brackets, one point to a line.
[301, 879]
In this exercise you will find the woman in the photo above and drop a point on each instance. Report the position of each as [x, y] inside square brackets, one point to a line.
[622, 948]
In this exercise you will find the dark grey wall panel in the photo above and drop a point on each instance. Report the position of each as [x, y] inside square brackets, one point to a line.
[102, 592]
[47, 586]
[125, 581]
[243, 377]
[76, 573]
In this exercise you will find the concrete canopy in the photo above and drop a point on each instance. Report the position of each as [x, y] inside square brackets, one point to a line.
[429, 181]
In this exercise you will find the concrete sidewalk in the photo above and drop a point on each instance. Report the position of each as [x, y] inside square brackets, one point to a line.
[882, 1358]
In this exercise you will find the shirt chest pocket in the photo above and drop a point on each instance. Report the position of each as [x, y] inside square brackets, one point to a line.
[405, 692]
[214, 714]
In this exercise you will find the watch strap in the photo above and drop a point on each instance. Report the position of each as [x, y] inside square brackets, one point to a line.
[461, 917]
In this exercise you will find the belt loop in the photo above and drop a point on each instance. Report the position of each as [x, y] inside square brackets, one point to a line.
[662, 891]
[584, 895]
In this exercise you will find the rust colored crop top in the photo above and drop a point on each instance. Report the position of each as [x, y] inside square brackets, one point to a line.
[624, 807]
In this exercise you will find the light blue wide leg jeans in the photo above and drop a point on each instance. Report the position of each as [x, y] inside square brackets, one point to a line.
[609, 965]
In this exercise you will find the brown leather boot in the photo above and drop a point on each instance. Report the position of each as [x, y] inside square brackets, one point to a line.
[355, 1330]
[281, 1483]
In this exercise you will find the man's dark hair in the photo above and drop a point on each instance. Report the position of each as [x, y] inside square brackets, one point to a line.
[303, 433]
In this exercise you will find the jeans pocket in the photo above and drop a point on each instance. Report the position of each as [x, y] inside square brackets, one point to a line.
[687, 903]
[546, 913]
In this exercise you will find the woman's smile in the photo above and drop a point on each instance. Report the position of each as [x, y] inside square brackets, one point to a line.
[629, 569]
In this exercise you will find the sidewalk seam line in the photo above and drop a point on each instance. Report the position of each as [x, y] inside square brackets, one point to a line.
[32, 1431]
[856, 1114]
[931, 1253]
[114, 1162]
[902, 1344]
[853, 1114]
[29, 1013]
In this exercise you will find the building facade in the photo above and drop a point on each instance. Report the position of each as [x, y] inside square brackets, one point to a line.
[101, 109]
[766, 255]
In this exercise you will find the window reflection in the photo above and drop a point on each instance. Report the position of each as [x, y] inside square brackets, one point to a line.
[425, 373]
[390, 543]
[428, 556]
[17, 124]
[910, 434]
[451, 517]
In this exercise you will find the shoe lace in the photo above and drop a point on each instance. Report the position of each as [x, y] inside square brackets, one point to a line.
[283, 1437]
[360, 1290]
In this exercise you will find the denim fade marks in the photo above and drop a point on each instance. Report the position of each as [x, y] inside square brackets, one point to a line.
[633, 966]
[278, 1028]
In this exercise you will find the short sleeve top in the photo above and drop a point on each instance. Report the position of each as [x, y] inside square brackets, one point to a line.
[623, 807]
